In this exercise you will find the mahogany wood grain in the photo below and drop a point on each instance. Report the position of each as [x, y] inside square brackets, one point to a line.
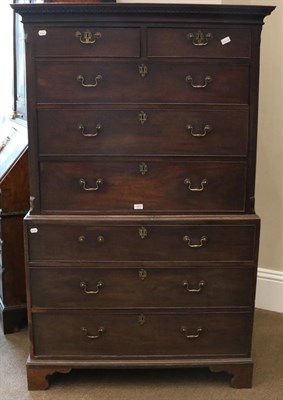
[159, 185]
[174, 42]
[122, 83]
[163, 132]
[53, 287]
[141, 334]
[80, 242]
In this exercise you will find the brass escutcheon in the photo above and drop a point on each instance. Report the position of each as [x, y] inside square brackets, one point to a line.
[142, 232]
[142, 274]
[142, 319]
[143, 71]
[143, 168]
[142, 117]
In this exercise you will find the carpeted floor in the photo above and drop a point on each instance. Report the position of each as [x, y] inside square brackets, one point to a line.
[190, 384]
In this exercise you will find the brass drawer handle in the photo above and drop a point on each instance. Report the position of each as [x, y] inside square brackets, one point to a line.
[99, 285]
[98, 183]
[98, 128]
[206, 129]
[188, 182]
[100, 331]
[187, 239]
[87, 37]
[99, 239]
[207, 80]
[199, 38]
[186, 285]
[97, 79]
[184, 330]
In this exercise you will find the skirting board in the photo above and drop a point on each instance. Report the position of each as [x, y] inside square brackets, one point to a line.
[269, 292]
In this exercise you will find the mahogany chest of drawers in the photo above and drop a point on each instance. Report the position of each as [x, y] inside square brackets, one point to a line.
[142, 241]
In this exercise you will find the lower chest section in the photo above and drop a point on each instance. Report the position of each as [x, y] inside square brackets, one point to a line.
[148, 287]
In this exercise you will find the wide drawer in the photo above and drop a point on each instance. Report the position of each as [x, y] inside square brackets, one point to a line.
[132, 82]
[86, 241]
[93, 41]
[150, 184]
[199, 42]
[141, 287]
[143, 131]
[89, 334]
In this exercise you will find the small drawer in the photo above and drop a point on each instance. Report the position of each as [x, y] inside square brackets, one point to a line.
[108, 82]
[158, 185]
[90, 334]
[141, 287]
[143, 131]
[93, 241]
[199, 42]
[93, 41]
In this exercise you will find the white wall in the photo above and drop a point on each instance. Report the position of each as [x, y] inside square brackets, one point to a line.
[6, 63]
[269, 167]
[269, 180]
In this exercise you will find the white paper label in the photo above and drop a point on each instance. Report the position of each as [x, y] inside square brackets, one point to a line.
[33, 230]
[42, 32]
[226, 40]
[138, 206]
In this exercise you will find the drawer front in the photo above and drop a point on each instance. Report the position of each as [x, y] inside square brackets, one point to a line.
[92, 334]
[141, 287]
[93, 41]
[202, 42]
[123, 82]
[143, 131]
[157, 185]
[75, 242]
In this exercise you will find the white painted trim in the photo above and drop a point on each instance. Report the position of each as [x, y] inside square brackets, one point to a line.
[269, 292]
